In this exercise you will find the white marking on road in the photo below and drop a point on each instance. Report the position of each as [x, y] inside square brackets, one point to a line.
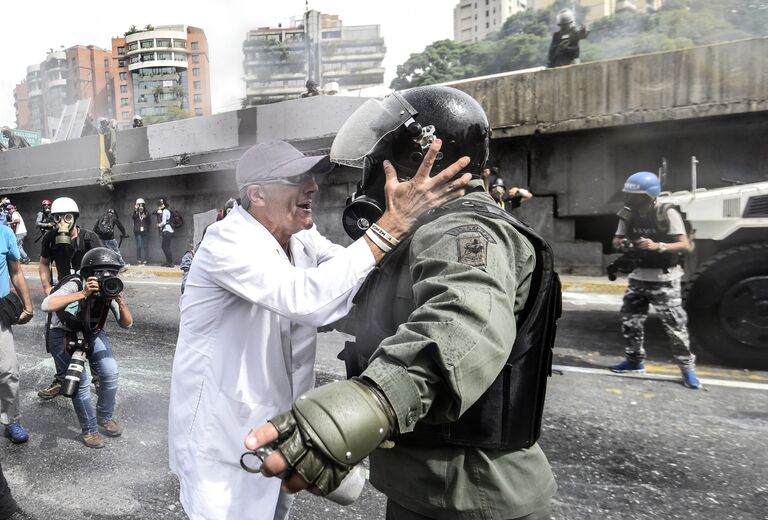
[579, 298]
[127, 281]
[662, 377]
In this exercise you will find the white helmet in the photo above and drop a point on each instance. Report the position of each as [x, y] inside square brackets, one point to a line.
[65, 205]
[565, 16]
[137, 117]
[140, 201]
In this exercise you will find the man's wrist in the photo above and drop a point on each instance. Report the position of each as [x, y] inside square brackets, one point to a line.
[663, 247]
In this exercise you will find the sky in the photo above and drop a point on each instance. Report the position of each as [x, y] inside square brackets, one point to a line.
[29, 29]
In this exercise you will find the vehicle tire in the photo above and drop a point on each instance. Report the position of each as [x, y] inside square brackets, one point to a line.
[727, 304]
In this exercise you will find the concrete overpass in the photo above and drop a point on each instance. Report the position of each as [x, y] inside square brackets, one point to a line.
[571, 134]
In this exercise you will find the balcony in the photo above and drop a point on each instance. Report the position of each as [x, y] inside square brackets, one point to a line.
[60, 82]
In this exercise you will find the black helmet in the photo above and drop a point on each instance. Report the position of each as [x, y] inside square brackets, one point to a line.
[99, 258]
[401, 128]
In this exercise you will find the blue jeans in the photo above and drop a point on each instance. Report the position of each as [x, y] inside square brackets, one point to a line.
[103, 364]
[112, 244]
[142, 246]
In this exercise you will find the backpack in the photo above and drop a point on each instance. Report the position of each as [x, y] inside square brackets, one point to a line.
[176, 220]
[105, 226]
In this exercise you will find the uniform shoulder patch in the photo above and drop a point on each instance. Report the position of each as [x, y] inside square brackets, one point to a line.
[473, 251]
[472, 243]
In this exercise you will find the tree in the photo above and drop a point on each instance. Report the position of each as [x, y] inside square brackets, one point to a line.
[132, 29]
[523, 39]
[157, 92]
[171, 114]
[178, 91]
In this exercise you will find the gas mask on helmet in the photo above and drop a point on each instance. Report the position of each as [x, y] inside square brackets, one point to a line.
[401, 128]
[64, 224]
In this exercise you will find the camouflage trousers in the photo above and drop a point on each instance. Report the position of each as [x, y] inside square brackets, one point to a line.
[666, 299]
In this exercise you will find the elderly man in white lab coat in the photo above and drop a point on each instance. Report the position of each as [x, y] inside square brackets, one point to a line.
[262, 281]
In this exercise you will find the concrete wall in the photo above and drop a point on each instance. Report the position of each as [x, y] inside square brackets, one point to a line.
[713, 80]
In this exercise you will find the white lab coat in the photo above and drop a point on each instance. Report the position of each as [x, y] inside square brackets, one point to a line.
[246, 351]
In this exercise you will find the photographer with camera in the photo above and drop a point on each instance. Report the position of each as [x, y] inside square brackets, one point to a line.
[63, 246]
[80, 305]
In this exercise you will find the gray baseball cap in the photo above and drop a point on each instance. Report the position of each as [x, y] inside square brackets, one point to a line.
[277, 160]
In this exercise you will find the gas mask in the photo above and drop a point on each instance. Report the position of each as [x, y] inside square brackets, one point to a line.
[64, 224]
[637, 202]
[497, 192]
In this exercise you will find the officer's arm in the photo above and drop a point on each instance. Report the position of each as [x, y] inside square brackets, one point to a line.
[467, 287]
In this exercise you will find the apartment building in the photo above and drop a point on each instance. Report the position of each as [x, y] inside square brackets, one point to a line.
[596, 9]
[474, 20]
[146, 72]
[160, 70]
[279, 60]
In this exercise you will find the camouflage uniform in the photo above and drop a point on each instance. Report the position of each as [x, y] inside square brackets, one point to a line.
[665, 298]
[659, 287]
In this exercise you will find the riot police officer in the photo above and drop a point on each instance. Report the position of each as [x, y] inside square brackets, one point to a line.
[564, 48]
[456, 308]
[658, 238]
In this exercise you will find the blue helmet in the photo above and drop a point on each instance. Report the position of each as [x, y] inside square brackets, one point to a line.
[643, 182]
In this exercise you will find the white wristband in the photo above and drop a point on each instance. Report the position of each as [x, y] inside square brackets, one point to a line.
[376, 240]
[384, 234]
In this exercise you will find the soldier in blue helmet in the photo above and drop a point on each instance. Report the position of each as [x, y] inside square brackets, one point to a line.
[657, 235]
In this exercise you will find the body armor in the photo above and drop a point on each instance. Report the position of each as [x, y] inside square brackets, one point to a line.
[654, 225]
[508, 415]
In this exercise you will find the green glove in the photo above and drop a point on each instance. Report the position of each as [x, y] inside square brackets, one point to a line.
[332, 428]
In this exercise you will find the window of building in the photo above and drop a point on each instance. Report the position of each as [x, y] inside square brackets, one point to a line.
[195, 58]
[124, 101]
[487, 25]
[147, 56]
[163, 42]
[106, 62]
[181, 44]
[198, 111]
[124, 89]
[196, 85]
[164, 55]
[134, 59]
[121, 50]
[121, 62]
[123, 76]
[487, 14]
[196, 72]
[106, 74]
[126, 115]
[109, 98]
[198, 98]
[147, 44]
[133, 46]
[195, 46]
[74, 62]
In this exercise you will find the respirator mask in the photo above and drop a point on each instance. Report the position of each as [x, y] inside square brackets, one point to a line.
[64, 224]
[637, 202]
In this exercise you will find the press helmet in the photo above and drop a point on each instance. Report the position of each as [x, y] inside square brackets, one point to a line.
[99, 258]
[643, 182]
[565, 17]
[46, 202]
[137, 117]
[400, 128]
[65, 205]
[140, 201]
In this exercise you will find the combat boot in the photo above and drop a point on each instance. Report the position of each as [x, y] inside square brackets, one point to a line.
[51, 391]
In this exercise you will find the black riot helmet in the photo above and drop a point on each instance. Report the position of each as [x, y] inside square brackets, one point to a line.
[400, 128]
[99, 259]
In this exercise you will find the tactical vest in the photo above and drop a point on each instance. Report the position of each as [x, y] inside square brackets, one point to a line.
[508, 415]
[654, 225]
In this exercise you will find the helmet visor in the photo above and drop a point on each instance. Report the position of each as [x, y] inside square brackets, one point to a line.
[367, 126]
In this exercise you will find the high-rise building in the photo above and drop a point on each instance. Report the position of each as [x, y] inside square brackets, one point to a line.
[474, 20]
[161, 70]
[90, 77]
[279, 60]
[21, 105]
[146, 72]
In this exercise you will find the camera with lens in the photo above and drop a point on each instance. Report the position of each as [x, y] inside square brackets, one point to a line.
[76, 349]
[110, 286]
